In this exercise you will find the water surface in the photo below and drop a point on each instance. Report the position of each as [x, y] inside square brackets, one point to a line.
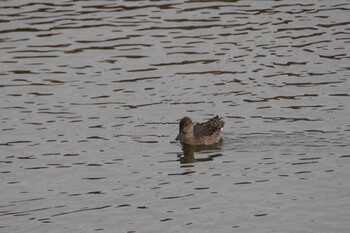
[92, 91]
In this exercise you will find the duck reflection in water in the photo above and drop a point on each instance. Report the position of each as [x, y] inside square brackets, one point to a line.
[189, 151]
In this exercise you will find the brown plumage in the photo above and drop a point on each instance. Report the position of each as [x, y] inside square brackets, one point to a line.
[205, 133]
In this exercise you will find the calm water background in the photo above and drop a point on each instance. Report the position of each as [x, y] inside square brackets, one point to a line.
[91, 93]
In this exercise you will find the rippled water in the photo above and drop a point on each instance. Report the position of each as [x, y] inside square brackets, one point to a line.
[91, 93]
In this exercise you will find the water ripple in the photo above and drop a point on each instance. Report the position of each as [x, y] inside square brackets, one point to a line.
[92, 92]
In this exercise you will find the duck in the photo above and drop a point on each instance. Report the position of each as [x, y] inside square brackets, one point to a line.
[206, 133]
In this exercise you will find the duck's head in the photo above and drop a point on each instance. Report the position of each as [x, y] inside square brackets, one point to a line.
[185, 127]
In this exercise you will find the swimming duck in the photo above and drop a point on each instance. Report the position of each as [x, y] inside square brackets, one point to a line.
[206, 133]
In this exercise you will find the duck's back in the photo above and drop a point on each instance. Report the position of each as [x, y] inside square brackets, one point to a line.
[209, 132]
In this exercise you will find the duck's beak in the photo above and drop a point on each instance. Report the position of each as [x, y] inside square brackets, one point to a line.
[178, 136]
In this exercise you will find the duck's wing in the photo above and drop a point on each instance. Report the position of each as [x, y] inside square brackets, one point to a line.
[210, 127]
